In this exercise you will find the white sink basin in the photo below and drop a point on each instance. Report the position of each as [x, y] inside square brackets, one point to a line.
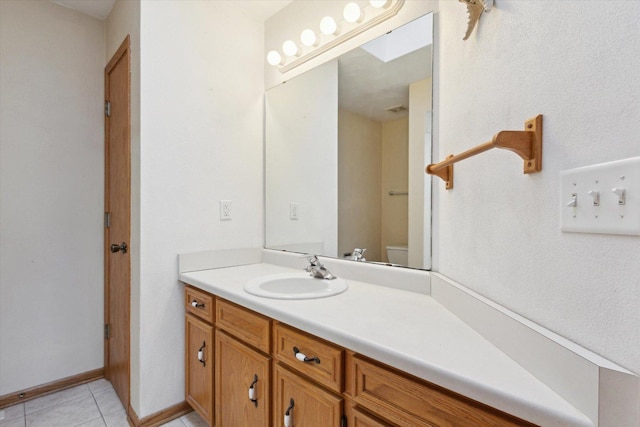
[294, 286]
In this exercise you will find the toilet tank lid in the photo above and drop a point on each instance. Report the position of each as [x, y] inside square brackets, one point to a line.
[398, 247]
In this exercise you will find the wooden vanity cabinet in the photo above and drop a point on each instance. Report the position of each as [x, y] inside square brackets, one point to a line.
[199, 352]
[306, 365]
[308, 404]
[356, 417]
[317, 382]
[243, 383]
[407, 401]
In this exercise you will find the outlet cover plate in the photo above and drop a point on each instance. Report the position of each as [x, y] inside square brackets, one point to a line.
[225, 210]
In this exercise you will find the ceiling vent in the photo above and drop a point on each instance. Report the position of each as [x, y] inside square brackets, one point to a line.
[397, 109]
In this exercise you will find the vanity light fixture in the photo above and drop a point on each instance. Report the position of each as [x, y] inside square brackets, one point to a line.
[377, 4]
[274, 58]
[352, 13]
[290, 48]
[356, 20]
[309, 38]
[328, 26]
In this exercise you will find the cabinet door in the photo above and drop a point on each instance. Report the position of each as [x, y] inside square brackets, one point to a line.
[358, 418]
[239, 368]
[199, 367]
[308, 404]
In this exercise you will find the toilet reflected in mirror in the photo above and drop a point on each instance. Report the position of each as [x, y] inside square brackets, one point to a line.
[398, 254]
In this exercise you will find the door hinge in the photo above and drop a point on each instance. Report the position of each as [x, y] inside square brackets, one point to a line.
[107, 219]
[107, 108]
[107, 332]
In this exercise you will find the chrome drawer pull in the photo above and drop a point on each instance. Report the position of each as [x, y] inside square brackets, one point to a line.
[301, 356]
[197, 304]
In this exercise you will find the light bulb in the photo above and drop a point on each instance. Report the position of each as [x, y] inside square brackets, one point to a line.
[274, 58]
[308, 38]
[377, 4]
[328, 26]
[290, 48]
[352, 13]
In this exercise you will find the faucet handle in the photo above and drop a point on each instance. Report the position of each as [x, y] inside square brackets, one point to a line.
[313, 259]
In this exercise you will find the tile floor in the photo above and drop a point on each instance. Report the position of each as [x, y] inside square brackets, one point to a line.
[88, 405]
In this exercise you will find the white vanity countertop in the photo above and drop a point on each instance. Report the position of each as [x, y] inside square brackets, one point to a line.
[409, 331]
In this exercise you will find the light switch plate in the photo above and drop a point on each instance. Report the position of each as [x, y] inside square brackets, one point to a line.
[598, 209]
[294, 210]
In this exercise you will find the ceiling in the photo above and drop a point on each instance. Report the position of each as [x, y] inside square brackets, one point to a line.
[97, 8]
[260, 10]
[368, 86]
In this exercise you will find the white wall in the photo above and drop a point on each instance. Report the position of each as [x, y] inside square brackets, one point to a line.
[420, 146]
[499, 230]
[51, 193]
[302, 161]
[201, 141]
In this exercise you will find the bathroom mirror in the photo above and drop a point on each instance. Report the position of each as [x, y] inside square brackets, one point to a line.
[345, 148]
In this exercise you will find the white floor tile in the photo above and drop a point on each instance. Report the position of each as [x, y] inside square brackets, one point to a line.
[13, 412]
[99, 385]
[192, 419]
[66, 414]
[117, 419]
[16, 422]
[54, 399]
[98, 422]
[174, 423]
[108, 401]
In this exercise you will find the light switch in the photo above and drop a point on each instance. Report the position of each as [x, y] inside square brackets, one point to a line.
[603, 198]
[294, 210]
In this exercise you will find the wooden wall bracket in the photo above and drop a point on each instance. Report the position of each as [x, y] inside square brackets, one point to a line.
[527, 144]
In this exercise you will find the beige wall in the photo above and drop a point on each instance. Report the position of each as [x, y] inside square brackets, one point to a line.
[420, 136]
[51, 175]
[373, 159]
[395, 176]
[359, 183]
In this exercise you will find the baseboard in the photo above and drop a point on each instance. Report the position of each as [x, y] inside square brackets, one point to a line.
[52, 387]
[160, 417]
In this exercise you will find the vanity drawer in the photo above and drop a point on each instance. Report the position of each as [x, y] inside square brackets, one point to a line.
[411, 402]
[324, 363]
[199, 303]
[246, 325]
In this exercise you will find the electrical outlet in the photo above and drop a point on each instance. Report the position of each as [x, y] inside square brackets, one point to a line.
[294, 208]
[225, 210]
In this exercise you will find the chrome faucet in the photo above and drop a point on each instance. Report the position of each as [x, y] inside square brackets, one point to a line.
[358, 254]
[318, 270]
